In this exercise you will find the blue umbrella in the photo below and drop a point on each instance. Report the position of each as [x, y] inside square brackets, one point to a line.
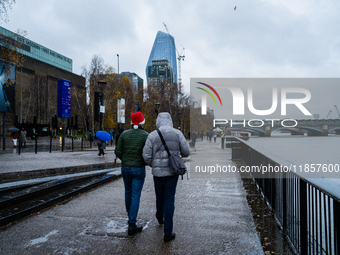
[13, 130]
[103, 135]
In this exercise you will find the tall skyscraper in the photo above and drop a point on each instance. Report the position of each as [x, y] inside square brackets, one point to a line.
[163, 49]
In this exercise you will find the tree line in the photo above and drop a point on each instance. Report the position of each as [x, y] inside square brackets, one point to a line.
[177, 103]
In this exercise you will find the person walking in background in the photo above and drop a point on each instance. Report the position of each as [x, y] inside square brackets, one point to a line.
[15, 137]
[111, 134]
[101, 147]
[23, 138]
[165, 183]
[193, 138]
[210, 135]
[121, 130]
[129, 149]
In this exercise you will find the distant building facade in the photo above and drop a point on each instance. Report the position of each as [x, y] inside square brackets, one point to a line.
[161, 77]
[163, 49]
[136, 81]
[34, 50]
[38, 77]
[160, 72]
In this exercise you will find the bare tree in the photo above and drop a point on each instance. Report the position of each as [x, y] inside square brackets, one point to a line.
[5, 5]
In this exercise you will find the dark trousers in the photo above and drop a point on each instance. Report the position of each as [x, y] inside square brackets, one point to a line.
[133, 178]
[101, 152]
[165, 188]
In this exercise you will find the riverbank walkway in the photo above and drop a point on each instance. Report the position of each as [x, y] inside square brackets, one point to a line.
[212, 216]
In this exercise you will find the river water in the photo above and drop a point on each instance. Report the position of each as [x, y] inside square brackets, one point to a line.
[316, 159]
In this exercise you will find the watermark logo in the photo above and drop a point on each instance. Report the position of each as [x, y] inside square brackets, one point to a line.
[204, 97]
[239, 100]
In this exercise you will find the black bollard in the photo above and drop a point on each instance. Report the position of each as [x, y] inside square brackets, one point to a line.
[36, 143]
[82, 139]
[51, 143]
[19, 147]
[63, 140]
[72, 143]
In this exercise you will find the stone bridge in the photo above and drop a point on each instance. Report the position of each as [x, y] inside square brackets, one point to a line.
[313, 127]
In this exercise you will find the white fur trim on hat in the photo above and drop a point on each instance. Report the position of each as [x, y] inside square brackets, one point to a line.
[137, 118]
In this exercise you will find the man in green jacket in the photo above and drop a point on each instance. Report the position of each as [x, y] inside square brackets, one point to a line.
[129, 149]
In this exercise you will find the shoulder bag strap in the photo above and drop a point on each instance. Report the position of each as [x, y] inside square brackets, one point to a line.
[163, 141]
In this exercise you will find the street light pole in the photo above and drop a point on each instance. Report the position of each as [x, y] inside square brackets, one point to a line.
[21, 96]
[157, 107]
[101, 85]
[179, 119]
[118, 64]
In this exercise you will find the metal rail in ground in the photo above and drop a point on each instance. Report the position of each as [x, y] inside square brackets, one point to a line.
[17, 203]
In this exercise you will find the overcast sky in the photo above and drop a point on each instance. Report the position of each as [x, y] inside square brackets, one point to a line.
[261, 38]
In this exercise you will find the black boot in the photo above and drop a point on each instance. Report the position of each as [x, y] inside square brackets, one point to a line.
[133, 229]
[169, 237]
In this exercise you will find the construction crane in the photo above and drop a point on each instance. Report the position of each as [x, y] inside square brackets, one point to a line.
[337, 111]
[179, 58]
[330, 112]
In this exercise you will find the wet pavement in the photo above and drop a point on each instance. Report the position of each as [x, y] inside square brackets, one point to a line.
[212, 216]
[29, 165]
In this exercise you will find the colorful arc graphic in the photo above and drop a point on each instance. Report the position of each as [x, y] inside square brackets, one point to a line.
[209, 92]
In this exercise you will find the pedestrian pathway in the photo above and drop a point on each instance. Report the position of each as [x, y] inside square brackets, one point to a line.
[28, 165]
[211, 217]
[45, 160]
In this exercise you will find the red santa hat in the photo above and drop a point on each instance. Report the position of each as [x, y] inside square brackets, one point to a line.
[137, 118]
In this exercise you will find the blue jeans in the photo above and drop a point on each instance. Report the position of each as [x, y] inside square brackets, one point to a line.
[133, 181]
[165, 188]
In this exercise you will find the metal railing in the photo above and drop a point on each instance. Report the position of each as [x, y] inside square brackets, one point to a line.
[51, 144]
[308, 215]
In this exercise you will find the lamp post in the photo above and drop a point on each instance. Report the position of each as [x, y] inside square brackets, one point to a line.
[179, 119]
[101, 85]
[21, 96]
[157, 107]
[118, 64]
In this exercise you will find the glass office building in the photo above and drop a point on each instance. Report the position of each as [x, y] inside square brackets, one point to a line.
[136, 81]
[163, 49]
[34, 50]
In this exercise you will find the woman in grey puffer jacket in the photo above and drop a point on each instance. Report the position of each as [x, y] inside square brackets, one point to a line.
[155, 155]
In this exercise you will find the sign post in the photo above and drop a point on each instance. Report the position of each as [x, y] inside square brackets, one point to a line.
[121, 111]
[118, 111]
[64, 103]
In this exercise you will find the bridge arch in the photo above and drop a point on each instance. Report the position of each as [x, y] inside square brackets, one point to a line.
[333, 129]
[247, 129]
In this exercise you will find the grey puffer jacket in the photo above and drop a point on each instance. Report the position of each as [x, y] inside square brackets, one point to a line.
[154, 153]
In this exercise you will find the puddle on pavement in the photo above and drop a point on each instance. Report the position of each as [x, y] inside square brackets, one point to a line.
[41, 239]
[112, 227]
[271, 236]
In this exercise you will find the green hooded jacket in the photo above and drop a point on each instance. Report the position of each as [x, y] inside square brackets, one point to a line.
[130, 147]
